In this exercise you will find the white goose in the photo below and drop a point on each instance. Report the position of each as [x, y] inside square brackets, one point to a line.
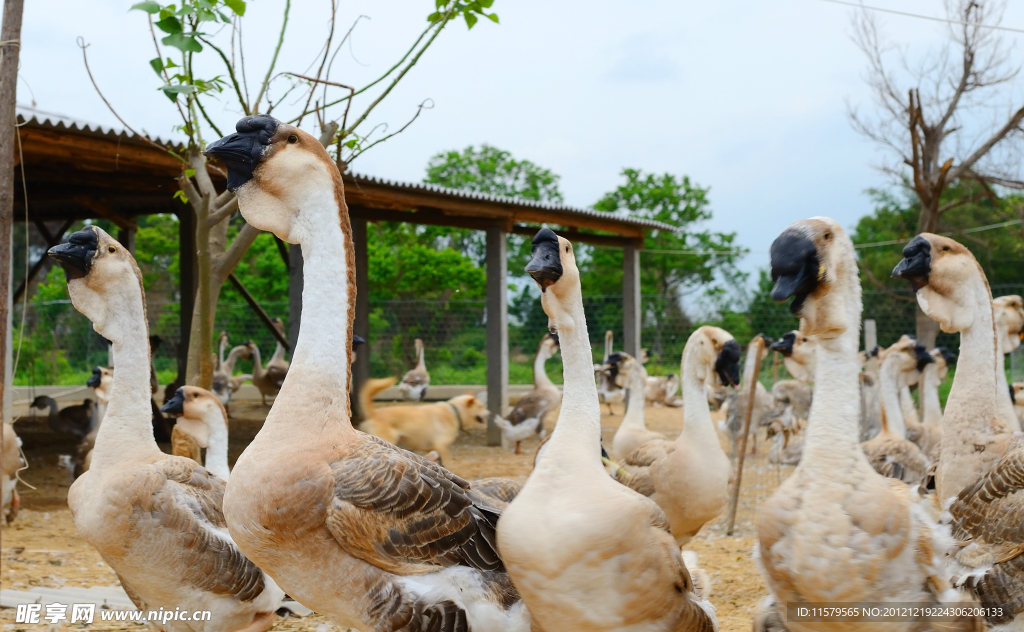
[585, 552]
[154, 518]
[981, 469]
[689, 477]
[836, 530]
[202, 417]
[632, 432]
[610, 389]
[1009, 320]
[527, 418]
[415, 382]
[353, 527]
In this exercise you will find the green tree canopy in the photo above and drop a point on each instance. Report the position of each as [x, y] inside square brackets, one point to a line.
[493, 171]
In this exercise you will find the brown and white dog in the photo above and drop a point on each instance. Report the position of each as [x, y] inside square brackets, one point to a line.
[419, 428]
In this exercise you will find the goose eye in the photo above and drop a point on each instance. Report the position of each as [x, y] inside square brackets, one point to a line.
[945, 249]
[293, 139]
[111, 249]
[828, 236]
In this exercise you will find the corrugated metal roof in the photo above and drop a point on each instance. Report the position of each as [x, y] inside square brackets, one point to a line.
[60, 121]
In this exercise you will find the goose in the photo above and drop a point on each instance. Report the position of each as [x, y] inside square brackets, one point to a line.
[527, 418]
[585, 552]
[798, 355]
[931, 408]
[202, 418]
[1017, 396]
[366, 533]
[610, 390]
[1008, 312]
[11, 463]
[75, 420]
[952, 290]
[415, 382]
[689, 477]
[890, 452]
[980, 482]
[836, 530]
[661, 390]
[794, 395]
[101, 382]
[785, 432]
[632, 432]
[267, 379]
[154, 518]
[225, 383]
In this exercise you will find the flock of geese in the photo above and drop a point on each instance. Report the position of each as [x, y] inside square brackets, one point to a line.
[378, 538]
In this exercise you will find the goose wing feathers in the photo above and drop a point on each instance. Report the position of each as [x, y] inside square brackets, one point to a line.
[416, 377]
[407, 515]
[896, 458]
[276, 374]
[988, 523]
[635, 470]
[185, 499]
[499, 488]
[533, 404]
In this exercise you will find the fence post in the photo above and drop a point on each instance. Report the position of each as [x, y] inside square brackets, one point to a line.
[361, 327]
[870, 342]
[497, 329]
[752, 370]
[631, 300]
[187, 284]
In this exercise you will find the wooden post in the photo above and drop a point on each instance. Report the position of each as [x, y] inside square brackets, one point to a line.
[294, 292]
[10, 48]
[126, 237]
[751, 371]
[631, 315]
[870, 342]
[361, 368]
[497, 329]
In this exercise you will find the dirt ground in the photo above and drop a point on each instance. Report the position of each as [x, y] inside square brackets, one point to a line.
[41, 547]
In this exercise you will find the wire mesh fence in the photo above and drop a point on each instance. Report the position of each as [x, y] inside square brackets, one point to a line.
[60, 347]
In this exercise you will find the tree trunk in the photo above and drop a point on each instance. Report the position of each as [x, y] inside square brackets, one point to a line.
[10, 36]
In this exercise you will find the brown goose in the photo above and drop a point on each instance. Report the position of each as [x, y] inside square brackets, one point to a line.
[415, 382]
[353, 527]
[155, 519]
[267, 379]
[527, 418]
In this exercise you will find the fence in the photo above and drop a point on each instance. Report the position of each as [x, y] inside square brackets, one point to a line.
[59, 346]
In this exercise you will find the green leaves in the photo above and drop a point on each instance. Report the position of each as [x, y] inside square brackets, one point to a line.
[494, 171]
[149, 7]
[237, 6]
[471, 11]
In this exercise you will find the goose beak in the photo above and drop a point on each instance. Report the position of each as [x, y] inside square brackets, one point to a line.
[948, 356]
[77, 255]
[785, 345]
[175, 405]
[727, 365]
[795, 267]
[242, 151]
[546, 265]
[923, 357]
[916, 264]
[94, 379]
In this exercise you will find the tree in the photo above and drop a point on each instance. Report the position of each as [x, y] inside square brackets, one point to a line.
[192, 39]
[674, 263]
[935, 119]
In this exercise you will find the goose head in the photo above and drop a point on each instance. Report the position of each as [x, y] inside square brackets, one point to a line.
[943, 359]
[103, 280]
[907, 358]
[191, 403]
[714, 357]
[553, 266]
[799, 351]
[630, 370]
[281, 175]
[942, 272]
[813, 263]
[548, 346]
[1009, 315]
[100, 381]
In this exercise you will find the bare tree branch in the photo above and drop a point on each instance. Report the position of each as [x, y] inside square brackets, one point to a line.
[223, 212]
[231, 74]
[273, 60]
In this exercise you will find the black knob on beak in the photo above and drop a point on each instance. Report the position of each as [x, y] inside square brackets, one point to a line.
[546, 264]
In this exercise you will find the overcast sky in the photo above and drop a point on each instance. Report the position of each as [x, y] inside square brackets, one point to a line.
[746, 97]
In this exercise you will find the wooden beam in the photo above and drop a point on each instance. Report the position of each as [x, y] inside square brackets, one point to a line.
[282, 249]
[278, 334]
[586, 238]
[188, 283]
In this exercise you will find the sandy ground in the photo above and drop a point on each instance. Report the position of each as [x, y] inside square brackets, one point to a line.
[41, 547]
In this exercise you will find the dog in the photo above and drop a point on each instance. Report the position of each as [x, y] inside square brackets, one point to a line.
[419, 428]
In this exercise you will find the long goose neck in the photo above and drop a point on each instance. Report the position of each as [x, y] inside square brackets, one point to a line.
[540, 376]
[127, 429]
[930, 405]
[1003, 400]
[577, 435]
[278, 354]
[217, 446]
[52, 405]
[228, 366]
[634, 417]
[421, 362]
[320, 367]
[607, 346]
[257, 362]
[889, 394]
[972, 398]
[697, 425]
[220, 353]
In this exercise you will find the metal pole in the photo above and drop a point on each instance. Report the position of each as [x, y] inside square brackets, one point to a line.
[751, 371]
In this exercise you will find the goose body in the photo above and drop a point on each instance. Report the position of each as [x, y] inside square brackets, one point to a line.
[610, 389]
[203, 421]
[632, 432]
[270, 378]
[76, 420]
[353, 527]
[836, 530]
[585, 552]
[155, 519]
[224, 380]
[661, 390]
[415, 382]
[10, 464]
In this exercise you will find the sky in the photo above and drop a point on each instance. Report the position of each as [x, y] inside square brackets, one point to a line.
[747, 97]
